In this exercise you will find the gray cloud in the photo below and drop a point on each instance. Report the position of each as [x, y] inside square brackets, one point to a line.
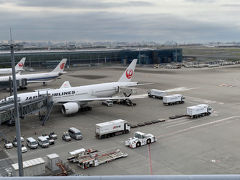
[97, 26]
[231, 5]
[201, 1]
[92, 4]
[100, 25]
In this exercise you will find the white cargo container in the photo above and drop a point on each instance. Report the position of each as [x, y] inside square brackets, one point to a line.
[173, 99]
[155, 93]
[199, 110]
[77, 152]
[112, 128]
[53, 159]
[33, 167]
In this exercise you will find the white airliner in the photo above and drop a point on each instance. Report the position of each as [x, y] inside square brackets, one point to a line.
[18, 67]
[73, 98]
[39, 77]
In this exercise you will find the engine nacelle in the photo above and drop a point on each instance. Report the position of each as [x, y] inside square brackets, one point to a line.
[70, 108]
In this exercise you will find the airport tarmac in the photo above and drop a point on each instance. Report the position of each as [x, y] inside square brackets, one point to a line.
[208, 145]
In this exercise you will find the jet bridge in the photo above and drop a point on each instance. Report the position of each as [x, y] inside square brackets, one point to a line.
[42, 103]
[21, 84]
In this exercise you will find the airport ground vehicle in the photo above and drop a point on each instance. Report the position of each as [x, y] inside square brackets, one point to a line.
[108, 103]
[50, 140]
[155, 93]
[31, 143]
[91, 157]
[112, 128]
[15, 141]
[8, 145]
[52, 135]
[21, 84]
[43, 141]
[75, 133]
[140, 139]
[127, 102]
[199, 110]
[24, 149]
[66, 136]
[173, 99]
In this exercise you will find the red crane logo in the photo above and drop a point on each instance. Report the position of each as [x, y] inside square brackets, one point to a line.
[20, 64]
[129, 73]
[62, 65]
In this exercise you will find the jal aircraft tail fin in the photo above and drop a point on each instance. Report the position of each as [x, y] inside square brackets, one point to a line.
[66, 84]
[20, 64]
[60, 66]
[129, 72]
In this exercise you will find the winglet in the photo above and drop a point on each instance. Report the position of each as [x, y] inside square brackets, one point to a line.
[20, 64]
[66, 84]
[128, 74]
[60, 66]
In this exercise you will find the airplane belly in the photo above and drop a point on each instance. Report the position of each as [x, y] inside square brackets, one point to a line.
[57, 99]
[104, 93]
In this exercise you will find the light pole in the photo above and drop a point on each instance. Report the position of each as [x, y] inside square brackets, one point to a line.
[139, 58]
[16, 116]
[176, 53]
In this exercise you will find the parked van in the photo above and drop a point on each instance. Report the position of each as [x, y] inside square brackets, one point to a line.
[32, 143]
[75, 133]
[43, 142]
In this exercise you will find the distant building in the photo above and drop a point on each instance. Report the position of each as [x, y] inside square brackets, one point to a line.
[49, 58]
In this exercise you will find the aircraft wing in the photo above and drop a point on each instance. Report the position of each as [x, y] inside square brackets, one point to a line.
[106, 98]
[134, 86]
[145, 84]
[41, 81]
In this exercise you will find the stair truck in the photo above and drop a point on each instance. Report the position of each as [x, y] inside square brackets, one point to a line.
[199, 110]
[112, 128]
[173, 99]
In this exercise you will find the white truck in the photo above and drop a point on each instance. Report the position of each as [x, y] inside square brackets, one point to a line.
[140, 139]
[155, 93]
[173, 99]
[112, 128]
[199, 110]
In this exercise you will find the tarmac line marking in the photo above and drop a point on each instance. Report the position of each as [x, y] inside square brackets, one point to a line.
[179, 124]
[174, 122]
[5, 159]
[8, 154]
[179, 89]
[215, 125]
[198, 126]
[196, 99]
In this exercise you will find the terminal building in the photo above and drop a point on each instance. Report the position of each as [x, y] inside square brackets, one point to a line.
[49, 58]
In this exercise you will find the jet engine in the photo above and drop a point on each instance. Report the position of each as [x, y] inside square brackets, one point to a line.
[70, 108]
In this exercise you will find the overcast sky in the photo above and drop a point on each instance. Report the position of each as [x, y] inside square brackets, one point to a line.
[121, 20]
